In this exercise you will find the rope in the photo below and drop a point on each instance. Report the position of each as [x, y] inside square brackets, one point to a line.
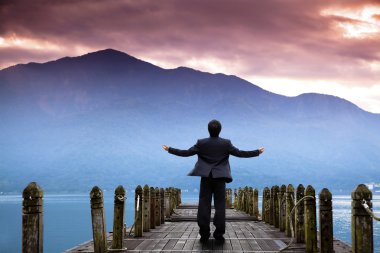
[121, 198]
[291, 220]
[369, 211]
[130, 231]
[138, 203]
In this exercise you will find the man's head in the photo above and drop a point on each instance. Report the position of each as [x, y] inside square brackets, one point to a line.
[214, 128]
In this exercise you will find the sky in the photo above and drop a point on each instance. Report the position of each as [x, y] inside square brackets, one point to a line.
[285, 46]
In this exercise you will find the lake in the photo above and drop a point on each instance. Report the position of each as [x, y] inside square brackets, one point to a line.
[67, 219]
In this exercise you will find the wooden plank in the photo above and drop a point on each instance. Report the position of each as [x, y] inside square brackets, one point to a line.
[170, 244]
[161, 244]
[132, 244]
[242, 235]
[234, 243]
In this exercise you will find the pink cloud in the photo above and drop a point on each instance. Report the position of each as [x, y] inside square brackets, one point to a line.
[282, 39]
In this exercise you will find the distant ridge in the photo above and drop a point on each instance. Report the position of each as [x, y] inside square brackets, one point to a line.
[103, 117]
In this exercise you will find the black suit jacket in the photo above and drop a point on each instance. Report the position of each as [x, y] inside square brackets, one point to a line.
[213, 154]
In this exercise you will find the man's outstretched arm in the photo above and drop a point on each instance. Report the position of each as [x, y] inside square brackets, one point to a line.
[179, 152]
[241, 153]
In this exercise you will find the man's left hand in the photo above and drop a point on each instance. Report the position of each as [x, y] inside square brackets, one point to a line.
[166, 148]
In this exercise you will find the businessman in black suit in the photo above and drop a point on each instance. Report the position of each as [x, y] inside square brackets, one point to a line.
[214, 168]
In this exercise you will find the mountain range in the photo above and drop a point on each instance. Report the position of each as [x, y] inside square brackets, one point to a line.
[101, 118]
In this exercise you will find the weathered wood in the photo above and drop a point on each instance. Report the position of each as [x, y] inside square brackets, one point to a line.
[266, 204]
[299, 212]
[146, 208]
[157, 207]
[162, 208]
[228, 204]
[152, 194]
[256, 203]
[32, 219]
[361, 221]
[138, 212]
[310, 220]
[246, 199]
[228, 198]
[167, 203]
[242, 235]
[98, 220]
[179, 196]
[326, 240]
[271, 206]
[282, 205]
[118, 218]
[235, 199]
[240, 198]
[172, 199]
[276, 207]
[289, 207]
[250, 201]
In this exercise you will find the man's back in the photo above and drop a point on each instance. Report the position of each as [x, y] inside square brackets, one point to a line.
[213, 154]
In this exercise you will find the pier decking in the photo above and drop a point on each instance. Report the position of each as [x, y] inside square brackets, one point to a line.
[179, 233]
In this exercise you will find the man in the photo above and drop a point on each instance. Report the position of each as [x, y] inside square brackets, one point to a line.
[214, 168]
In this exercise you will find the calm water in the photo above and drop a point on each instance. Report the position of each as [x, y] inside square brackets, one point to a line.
[67, 220]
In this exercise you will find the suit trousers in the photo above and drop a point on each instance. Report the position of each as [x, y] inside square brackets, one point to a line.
[217, 187]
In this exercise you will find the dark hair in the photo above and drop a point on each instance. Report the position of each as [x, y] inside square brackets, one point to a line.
[214, 128]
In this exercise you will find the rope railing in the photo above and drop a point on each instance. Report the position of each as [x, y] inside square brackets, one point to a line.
[291, 221]
[366, 206]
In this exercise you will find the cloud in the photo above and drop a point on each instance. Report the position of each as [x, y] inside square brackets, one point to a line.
[296, 40]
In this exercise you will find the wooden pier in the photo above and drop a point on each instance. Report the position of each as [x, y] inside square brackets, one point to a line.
[287, 222]
[180, 234]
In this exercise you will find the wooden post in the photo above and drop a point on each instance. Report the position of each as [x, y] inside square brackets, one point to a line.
[98, 220]
[152, 193]
[276, 207]
[146, 208]
[239, 198]
[32, 219]
[230, 196]
[266, 204]
[245, 199]
[172, 199]
[157, 208]
[118, 218]
[326, 239]
[250, 205]
[256, 203]
[310, 221]
[235, 199]
[228, 204]
[361, 221]
[179, 196]
[271, 207]
[138, 212]
[299, 212]
[263, 206]
[167, 203]
[176, 198]
[282, 204]
[162, 208]
[289, 207]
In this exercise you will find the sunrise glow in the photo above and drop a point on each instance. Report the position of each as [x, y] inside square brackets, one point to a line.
[356, 23]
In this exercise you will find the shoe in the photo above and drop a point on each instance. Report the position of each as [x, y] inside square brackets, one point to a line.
[219, 239]
[204, 239]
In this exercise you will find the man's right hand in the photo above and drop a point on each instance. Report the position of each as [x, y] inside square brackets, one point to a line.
[166, 148]
[261, 150]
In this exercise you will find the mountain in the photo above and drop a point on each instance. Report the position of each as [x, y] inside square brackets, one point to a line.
[101, 118]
